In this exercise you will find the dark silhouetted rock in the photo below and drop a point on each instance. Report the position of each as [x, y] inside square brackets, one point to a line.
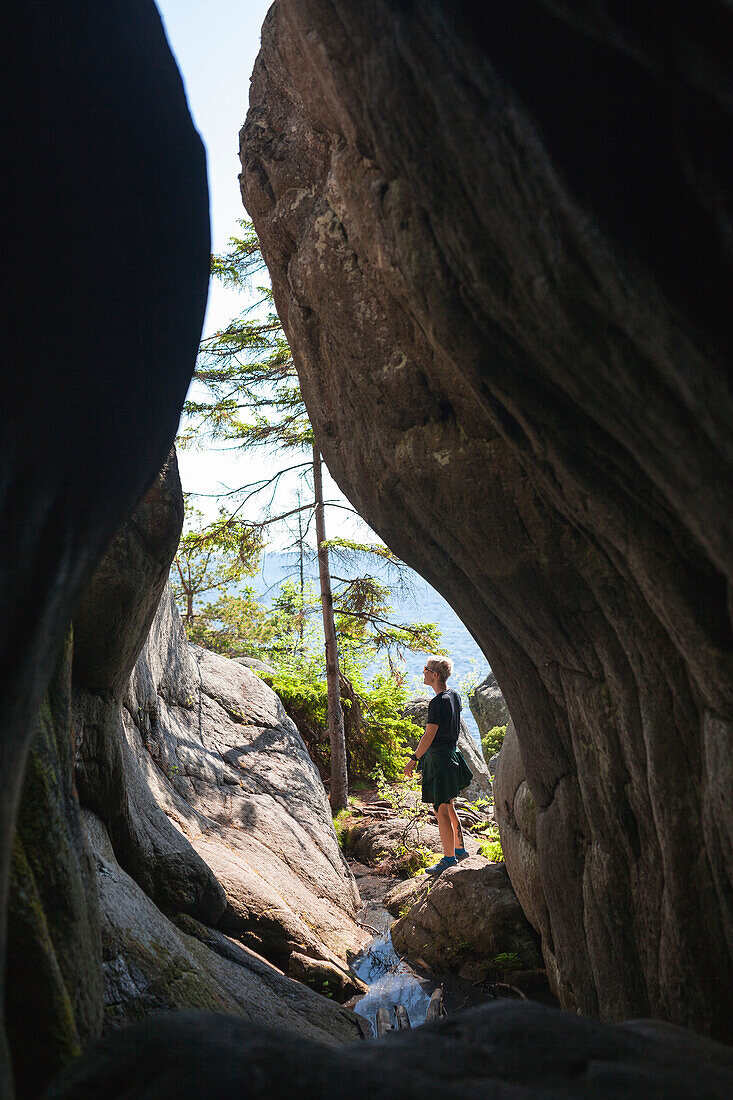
[105, 264]
[506, 1051]
[500, 249]
[118, 606]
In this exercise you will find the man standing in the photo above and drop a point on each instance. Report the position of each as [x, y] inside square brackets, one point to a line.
[444, 771]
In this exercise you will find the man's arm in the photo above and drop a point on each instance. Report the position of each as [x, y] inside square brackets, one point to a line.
[424, 744]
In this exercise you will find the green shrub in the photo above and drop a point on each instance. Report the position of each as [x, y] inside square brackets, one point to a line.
[285, 635]
[377, 736]
[492, 741]
[491, 849]
[341, 824]
[416, 860]
[505, 962]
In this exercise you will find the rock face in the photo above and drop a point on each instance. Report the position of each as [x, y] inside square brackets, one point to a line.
[516, 813]
[117, 607]
[104, 196]
[150, 964]
[201, 783]
[483, 227]
[502, 1051]
[469, 921]
[54, 994]
[207, 820]
[480, 787]
[488, 705]
[253, 662]
[124, 594]
[229, 767]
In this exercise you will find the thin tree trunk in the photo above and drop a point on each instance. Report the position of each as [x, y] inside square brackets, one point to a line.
[339, 777]
[302, 577]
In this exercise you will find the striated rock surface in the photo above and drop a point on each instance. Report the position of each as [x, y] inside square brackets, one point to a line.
[480, 787]
[505, 1051]
[201, 784]
[484, 227]
[230, 770]
[515, 811]
[488, 705]
[124, 594]
[151, 965]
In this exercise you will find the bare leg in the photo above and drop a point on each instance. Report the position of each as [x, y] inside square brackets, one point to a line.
[457, 830]
[446, 830]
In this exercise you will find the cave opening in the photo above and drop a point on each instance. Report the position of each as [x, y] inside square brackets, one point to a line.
[498, 245]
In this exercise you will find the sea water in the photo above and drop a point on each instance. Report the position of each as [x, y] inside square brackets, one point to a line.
[418, 602]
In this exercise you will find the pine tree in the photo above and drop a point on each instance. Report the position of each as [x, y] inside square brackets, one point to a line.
[252, 397]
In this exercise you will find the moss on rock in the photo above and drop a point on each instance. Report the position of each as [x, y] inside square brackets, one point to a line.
[54, 978]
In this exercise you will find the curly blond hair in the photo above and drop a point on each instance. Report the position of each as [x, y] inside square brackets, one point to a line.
[442, 665]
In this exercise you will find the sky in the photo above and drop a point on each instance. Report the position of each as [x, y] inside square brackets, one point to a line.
[215, 43]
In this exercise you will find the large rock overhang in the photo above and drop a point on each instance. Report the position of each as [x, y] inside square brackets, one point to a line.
[484, 235]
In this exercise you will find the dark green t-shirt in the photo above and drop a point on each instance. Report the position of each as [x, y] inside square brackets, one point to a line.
[444, 710]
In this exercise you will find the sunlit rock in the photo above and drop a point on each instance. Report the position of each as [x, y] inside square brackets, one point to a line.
[488, 705]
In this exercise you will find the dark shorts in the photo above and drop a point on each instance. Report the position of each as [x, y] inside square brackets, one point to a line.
[444, 774]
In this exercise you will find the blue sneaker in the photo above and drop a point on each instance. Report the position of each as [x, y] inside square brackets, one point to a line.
[461, 853]
[445, 863]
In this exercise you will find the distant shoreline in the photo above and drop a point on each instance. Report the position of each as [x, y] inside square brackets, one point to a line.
[424, 604]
